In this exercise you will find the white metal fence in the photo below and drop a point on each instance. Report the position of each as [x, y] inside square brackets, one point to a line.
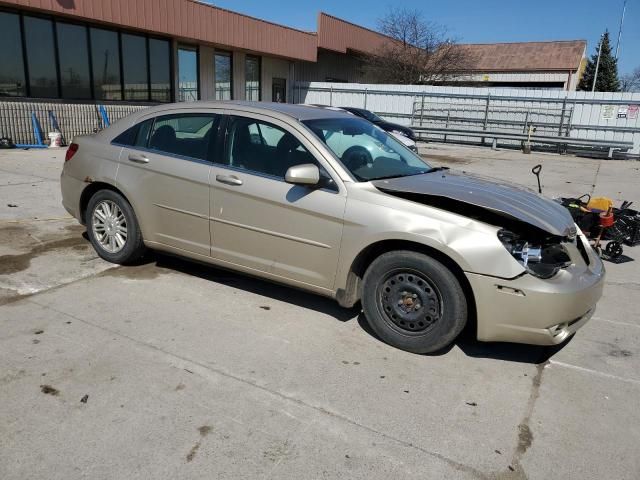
[16, 118]
[585, 115]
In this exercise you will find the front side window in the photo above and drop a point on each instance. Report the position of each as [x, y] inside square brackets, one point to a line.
[43, 77]
[264, 148]
[367, 151]
[252, 78]
[223, 76]
[134, 67]
[187, 74]
[188, 135]
[73, 53]
[105, 56]
[12, 81]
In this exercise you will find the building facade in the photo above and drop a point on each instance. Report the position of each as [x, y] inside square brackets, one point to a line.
[182, 50]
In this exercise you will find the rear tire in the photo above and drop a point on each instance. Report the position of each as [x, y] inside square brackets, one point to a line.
[413, 302]
[113, 228]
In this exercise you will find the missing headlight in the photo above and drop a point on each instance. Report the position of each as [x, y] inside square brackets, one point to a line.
[541, 257]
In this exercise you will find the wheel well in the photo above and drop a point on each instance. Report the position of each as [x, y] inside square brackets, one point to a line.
[353, 291]
[89, 191]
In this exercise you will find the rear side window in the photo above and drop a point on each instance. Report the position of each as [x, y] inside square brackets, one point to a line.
[188, 135]
[135, 136]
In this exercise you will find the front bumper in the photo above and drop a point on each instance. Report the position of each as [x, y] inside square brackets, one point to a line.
[531, 310]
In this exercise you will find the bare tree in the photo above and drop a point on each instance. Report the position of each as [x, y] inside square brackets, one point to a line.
[418, 51]
[631, 81]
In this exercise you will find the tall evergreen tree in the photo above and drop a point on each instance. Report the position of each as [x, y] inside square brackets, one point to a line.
[607, 71]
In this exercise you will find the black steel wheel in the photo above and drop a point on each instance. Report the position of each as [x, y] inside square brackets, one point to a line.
[409, 301]
[413, 301]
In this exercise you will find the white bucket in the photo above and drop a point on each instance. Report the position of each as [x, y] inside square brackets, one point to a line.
[55, 139]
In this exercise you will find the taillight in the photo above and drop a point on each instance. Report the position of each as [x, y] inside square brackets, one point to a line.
[71, 151]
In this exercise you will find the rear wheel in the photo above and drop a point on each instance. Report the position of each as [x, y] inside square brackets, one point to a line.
[413, 301]
[113, 228]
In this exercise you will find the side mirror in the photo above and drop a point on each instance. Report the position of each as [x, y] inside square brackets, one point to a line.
[306, 174]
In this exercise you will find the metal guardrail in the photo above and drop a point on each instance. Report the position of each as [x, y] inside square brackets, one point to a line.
[611, 145]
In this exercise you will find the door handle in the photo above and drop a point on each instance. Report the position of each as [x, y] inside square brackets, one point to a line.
[229, 179]
[138, 158]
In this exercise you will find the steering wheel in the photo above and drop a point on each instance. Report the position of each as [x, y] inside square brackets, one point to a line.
[356, 157]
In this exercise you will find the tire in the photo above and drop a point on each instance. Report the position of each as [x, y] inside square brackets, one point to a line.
[123, 252]
[413, 302]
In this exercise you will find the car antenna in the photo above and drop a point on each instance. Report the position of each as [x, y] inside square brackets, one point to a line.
[536, 171]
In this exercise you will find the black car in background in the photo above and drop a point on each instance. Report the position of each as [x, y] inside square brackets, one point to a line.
[383, 124]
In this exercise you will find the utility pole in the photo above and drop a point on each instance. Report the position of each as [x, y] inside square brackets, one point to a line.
[624, 9]
[595, 75]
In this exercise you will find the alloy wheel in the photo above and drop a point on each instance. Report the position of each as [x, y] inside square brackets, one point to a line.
[109, 226]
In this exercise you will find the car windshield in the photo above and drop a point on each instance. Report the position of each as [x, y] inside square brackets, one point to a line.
[367, 151]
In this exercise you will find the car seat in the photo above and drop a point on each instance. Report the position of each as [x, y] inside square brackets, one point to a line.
[164, 139]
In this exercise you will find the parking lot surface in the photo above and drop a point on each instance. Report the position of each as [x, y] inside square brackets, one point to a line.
[176, 370]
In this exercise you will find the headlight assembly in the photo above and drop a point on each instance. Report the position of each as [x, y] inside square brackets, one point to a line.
[542, 258]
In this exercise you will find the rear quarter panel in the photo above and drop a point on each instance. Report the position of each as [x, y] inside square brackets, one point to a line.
[95, 161]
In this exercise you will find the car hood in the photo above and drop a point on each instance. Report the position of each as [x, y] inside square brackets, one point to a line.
[506, 199]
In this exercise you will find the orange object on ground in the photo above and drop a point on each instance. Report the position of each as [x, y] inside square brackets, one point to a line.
[606, 219]
[602, 204]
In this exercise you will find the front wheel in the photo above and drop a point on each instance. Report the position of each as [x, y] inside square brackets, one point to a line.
[413, 301]
[113, 228]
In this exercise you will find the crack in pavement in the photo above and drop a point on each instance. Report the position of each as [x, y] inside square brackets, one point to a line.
[515, 469]
[195, 365]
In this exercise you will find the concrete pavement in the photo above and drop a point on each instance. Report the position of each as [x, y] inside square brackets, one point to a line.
[189, 371]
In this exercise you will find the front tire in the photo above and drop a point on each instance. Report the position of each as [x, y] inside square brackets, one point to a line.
[113, 228]
[413, 302]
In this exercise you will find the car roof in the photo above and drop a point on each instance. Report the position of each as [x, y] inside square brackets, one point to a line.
[296, 111]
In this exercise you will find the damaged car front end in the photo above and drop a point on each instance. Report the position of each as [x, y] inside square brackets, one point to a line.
[544, 279]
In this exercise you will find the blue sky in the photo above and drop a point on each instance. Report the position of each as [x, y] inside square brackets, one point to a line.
[475, 21]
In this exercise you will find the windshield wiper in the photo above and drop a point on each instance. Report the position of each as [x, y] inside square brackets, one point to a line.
[436, 169]
[399, 175]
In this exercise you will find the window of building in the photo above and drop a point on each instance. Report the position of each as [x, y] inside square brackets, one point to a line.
[75, 80]
[188, 88]
[160, 70]
[41, 60]
[252, 78]
[134, 67]
[223, 76]
[12, 80]
[105, 56]
[264, 148]
[186, 135]
[75, 61]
